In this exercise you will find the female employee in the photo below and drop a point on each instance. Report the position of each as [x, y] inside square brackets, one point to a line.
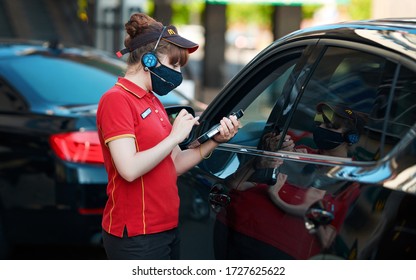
[140, 146]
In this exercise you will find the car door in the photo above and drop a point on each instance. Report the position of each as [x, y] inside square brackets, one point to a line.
[254, 91]
[326, 207]
[349, 210]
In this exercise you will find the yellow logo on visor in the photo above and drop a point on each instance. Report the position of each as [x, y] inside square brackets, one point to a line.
[171, 31]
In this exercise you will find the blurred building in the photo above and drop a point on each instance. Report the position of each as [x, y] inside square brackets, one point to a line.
[393, 8]
[109, 19]
[53, 20]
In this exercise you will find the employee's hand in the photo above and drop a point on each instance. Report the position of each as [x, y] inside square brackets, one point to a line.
[288, 144]
[228, 128]
[272, 140]
[182, 125]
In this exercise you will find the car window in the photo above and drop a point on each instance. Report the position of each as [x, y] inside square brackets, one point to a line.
[261, 107]
[267, 89]
[63, 81]
[257, 97]
[257, 113]
[353, 79]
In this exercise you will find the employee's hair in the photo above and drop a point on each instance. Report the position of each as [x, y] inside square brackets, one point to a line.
[141, 24]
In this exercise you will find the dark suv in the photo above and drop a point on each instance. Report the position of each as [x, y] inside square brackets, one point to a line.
[329, 207]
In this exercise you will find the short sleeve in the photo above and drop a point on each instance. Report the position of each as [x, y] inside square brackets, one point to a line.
[115, 118]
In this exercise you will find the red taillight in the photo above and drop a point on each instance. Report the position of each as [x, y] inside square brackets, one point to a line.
[82, 147]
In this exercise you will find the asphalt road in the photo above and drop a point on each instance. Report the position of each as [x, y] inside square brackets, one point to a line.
[38, 252]
[196, 242]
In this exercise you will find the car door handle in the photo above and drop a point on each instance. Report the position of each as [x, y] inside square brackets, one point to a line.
[317, 216]
[218, 198]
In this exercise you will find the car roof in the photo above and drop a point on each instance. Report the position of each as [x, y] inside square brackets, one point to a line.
[13, 48]
[389, 24]
[17, 43]
[397, 34]
[402, 23]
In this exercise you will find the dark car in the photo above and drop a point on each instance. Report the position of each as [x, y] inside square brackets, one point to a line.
[330, 207]
[360, 207]
[52, 177]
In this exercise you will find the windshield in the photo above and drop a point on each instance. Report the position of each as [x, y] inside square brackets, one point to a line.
[64, 81]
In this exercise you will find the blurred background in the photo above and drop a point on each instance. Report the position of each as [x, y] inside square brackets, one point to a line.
[230, 33]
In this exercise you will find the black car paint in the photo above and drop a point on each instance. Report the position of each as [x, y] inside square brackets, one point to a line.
[380, 222]
[35, 183]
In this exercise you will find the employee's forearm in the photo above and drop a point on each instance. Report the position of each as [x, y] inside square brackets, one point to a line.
[132, 164]
[187, 159]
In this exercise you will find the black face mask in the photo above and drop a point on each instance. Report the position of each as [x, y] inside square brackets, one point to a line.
[327, 139]
[164, 79]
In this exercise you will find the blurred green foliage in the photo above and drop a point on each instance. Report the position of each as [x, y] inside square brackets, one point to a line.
[359, 9]
[249, 14]
[309, 10]
[189, 12]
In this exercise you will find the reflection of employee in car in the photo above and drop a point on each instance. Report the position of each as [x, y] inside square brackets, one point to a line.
[337, 129]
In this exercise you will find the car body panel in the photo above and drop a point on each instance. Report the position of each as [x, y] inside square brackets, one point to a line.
[360, 203]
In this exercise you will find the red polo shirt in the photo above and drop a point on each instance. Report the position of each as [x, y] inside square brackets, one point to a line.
[150, 203]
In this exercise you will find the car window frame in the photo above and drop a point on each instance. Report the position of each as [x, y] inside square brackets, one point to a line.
[344, 168]
[224, 100]
[347, 169]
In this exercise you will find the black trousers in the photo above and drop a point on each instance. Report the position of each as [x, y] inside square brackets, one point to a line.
[158, 246]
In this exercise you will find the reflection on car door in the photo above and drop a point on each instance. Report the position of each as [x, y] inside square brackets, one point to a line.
[313, 214]
[243, 229]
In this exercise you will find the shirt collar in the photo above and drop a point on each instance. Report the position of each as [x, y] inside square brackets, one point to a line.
[131, 87]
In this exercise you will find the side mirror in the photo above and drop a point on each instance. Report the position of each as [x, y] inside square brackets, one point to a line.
[173, 112]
